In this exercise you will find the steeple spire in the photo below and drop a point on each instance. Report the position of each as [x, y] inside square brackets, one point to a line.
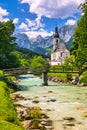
[56, 35]
[56, 39]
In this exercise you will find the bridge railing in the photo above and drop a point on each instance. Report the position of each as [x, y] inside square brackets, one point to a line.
[16, 71]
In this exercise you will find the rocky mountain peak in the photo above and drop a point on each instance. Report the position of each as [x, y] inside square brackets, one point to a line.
[40, 44]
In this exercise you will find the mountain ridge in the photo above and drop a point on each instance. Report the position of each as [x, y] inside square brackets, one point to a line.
[40, 44]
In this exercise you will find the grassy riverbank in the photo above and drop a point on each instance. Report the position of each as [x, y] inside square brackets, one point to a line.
[8, 115]
[62, 76]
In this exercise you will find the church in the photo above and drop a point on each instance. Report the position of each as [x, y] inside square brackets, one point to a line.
[60, 51]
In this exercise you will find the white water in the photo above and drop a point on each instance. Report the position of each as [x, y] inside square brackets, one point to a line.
[70, 101]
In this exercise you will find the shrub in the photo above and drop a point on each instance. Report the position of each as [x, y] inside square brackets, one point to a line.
[68, 77]
[1, 72]
[84, 77]
[35, 115]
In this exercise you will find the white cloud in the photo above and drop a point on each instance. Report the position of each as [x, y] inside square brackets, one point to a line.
[53, 8]
[3, 12]
[3, 15]
[34, 34]
[23, 26]
[16, 20]
[31, 25]
[35, 24]
[70, 22]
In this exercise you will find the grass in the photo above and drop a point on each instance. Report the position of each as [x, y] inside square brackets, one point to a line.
[8, 115]
[61, 76]
[35, 115]
[1, 72]
[59, 68]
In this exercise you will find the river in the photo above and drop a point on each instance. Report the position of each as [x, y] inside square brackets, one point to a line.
[60, 102]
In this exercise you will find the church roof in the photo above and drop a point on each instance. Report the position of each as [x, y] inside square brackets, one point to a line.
[61, 47]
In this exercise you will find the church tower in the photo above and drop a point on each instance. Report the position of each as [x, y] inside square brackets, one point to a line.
[60, 51]
[56, 39]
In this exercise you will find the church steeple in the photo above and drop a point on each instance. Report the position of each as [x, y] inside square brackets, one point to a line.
[56, 39]
[56, 35]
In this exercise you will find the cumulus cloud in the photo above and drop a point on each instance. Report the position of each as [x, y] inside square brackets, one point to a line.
[23, 26]
[3, 15]
[70, 22]
[35, 24]
[53, 8]
[31, 25]
[16, 20]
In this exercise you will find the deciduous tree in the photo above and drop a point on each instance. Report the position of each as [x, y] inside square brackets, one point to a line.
[79, 45]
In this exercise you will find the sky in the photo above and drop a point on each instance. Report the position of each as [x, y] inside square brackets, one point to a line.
[39, 17]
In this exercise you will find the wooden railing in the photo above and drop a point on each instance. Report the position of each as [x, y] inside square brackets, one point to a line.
[16, 71]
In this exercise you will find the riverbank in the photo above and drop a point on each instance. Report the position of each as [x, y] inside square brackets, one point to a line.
[8, 115]
[67, 79]
[65, 105]
[32, 117]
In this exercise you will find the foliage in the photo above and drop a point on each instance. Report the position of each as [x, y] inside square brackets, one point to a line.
[79, 45]
[35, 115]
[6, 46]
[1, 72]
[69, 61]
[6, 31]
[13, 60]
[84, 77]
[11, 56]
[81, 57]
[38, 64]
[8, 115]
[68, 77]
[4, 125]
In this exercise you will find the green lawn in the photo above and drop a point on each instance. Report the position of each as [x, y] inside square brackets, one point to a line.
[8, 115]
[61, 76]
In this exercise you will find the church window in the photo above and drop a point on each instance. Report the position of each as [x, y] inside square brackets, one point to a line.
[61, 54]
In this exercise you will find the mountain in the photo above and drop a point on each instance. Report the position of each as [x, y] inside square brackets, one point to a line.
[43, 45]
[42, 42]
[22, 40]
[66, 34]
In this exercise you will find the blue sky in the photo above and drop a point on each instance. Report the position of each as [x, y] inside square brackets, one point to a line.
[35, 17]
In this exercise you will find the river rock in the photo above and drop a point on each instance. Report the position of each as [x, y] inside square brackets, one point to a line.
[35, 101]
[26, 124]
[50, 91]
[75, 81]
[17, 97]
[52, 100]
[69, 121]
[49, 127]
[85, 114]
[44, 116]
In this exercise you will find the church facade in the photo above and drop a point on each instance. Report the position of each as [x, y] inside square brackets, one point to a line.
[60, 51]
